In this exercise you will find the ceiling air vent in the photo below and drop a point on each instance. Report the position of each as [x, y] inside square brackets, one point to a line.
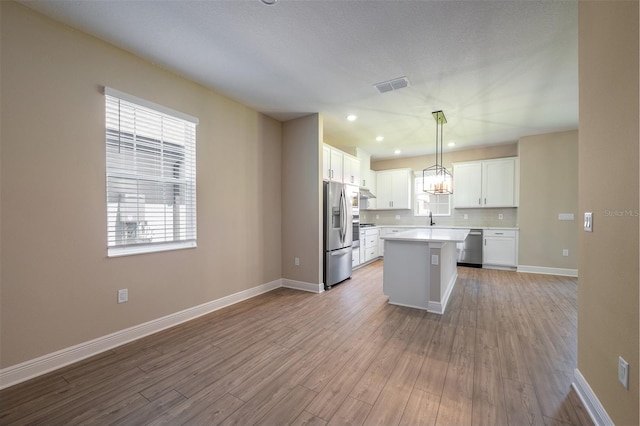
[389, 85]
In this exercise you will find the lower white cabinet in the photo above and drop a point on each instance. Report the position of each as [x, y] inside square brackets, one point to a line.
[500, 248]
[368, 244]
[371, 243]
[383, 233]
[355, 259]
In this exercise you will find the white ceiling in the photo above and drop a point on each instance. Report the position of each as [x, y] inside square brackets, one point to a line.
[498, 69]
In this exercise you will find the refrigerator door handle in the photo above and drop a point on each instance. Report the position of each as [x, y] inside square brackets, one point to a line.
[341, 252]
[343, 216]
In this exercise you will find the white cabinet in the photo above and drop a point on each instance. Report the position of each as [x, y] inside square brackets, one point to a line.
[332, 164]
[355, 259]
[488, 183]
[351, 170]
[370, 244]
[467, 184]
[338, 166]
[368, 180]
[384, 232]
[499, 182]
[393, 189]
[500, 248]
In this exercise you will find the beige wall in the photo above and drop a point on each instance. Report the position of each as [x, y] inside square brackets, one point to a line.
[302, 199]
[548, 186]
[58, 286]
[448, 158]
[608, 315]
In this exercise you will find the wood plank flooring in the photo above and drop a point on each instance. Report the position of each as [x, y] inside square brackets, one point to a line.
[502, 354]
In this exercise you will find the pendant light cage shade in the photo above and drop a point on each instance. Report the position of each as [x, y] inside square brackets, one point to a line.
[437, 179]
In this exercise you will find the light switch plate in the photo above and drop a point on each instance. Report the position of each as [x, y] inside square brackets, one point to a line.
[565, 216]
[588, 222]
[623, 372]
[123, 295]
[434, 259]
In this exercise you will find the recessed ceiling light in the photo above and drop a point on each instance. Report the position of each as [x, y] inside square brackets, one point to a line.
[352, 117]
[451, 144]
[379, 138]
[397, 152]
[269, 2]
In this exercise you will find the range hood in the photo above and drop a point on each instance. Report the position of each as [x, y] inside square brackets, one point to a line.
[365, 193]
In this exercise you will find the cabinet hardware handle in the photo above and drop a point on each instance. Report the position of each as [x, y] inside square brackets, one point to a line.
[479, 202]
[499, 233]
[485, 201]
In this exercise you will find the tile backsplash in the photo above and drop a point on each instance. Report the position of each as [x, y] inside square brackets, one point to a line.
[475, 217]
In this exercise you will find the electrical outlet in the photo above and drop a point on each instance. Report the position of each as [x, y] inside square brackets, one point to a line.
[397, 217]
[466, 216]
[297, 261]
[434, 259]
[377, 216]
[565, 252]
[623, 372]
[500, 216]
[123, 295]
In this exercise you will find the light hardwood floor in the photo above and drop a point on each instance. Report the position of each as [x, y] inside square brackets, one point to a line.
[502, 354]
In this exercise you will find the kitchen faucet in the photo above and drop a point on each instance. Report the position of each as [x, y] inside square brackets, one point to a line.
[431, 219]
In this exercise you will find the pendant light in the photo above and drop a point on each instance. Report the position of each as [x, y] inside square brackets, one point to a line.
[437, 179]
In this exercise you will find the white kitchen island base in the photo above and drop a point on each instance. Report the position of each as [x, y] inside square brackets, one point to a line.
[420, 268]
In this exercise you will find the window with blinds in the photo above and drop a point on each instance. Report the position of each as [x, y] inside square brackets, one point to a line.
[437, 205]
[151, 176]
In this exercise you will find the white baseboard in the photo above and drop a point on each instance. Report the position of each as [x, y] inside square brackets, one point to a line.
[29, 369]
[304, 286]
[439, 307]
[548, 271]
[591, 402]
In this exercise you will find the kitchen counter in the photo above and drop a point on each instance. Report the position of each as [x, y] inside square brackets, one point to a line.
[430, 235]
[420, 267]
[448, 227]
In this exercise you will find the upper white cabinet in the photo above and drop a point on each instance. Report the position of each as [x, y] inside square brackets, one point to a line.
[332, 164]
[351, 174]
[368, 180]
[338, 166]
[488, 183]
[467, 184]
[393, 189]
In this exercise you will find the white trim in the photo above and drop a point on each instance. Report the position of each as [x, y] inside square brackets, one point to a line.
[304, 286]
[152, 105]
[149, 248]
[548, 271]
[406, 305]
[439, 307]
[29, 369]
[591, 402]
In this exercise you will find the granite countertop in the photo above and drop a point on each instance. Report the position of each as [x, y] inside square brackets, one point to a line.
[430, 235]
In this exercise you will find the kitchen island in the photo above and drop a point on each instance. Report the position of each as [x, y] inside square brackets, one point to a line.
[420, 267]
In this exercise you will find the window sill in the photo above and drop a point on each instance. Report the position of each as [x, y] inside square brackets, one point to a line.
[144, 249]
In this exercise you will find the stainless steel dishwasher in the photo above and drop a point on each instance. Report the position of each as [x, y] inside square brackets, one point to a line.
[470, 251]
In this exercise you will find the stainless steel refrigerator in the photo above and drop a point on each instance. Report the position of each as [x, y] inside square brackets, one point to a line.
[337, 234]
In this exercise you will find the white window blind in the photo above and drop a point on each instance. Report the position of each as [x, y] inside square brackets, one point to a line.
[151, 176]
[437, 205]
